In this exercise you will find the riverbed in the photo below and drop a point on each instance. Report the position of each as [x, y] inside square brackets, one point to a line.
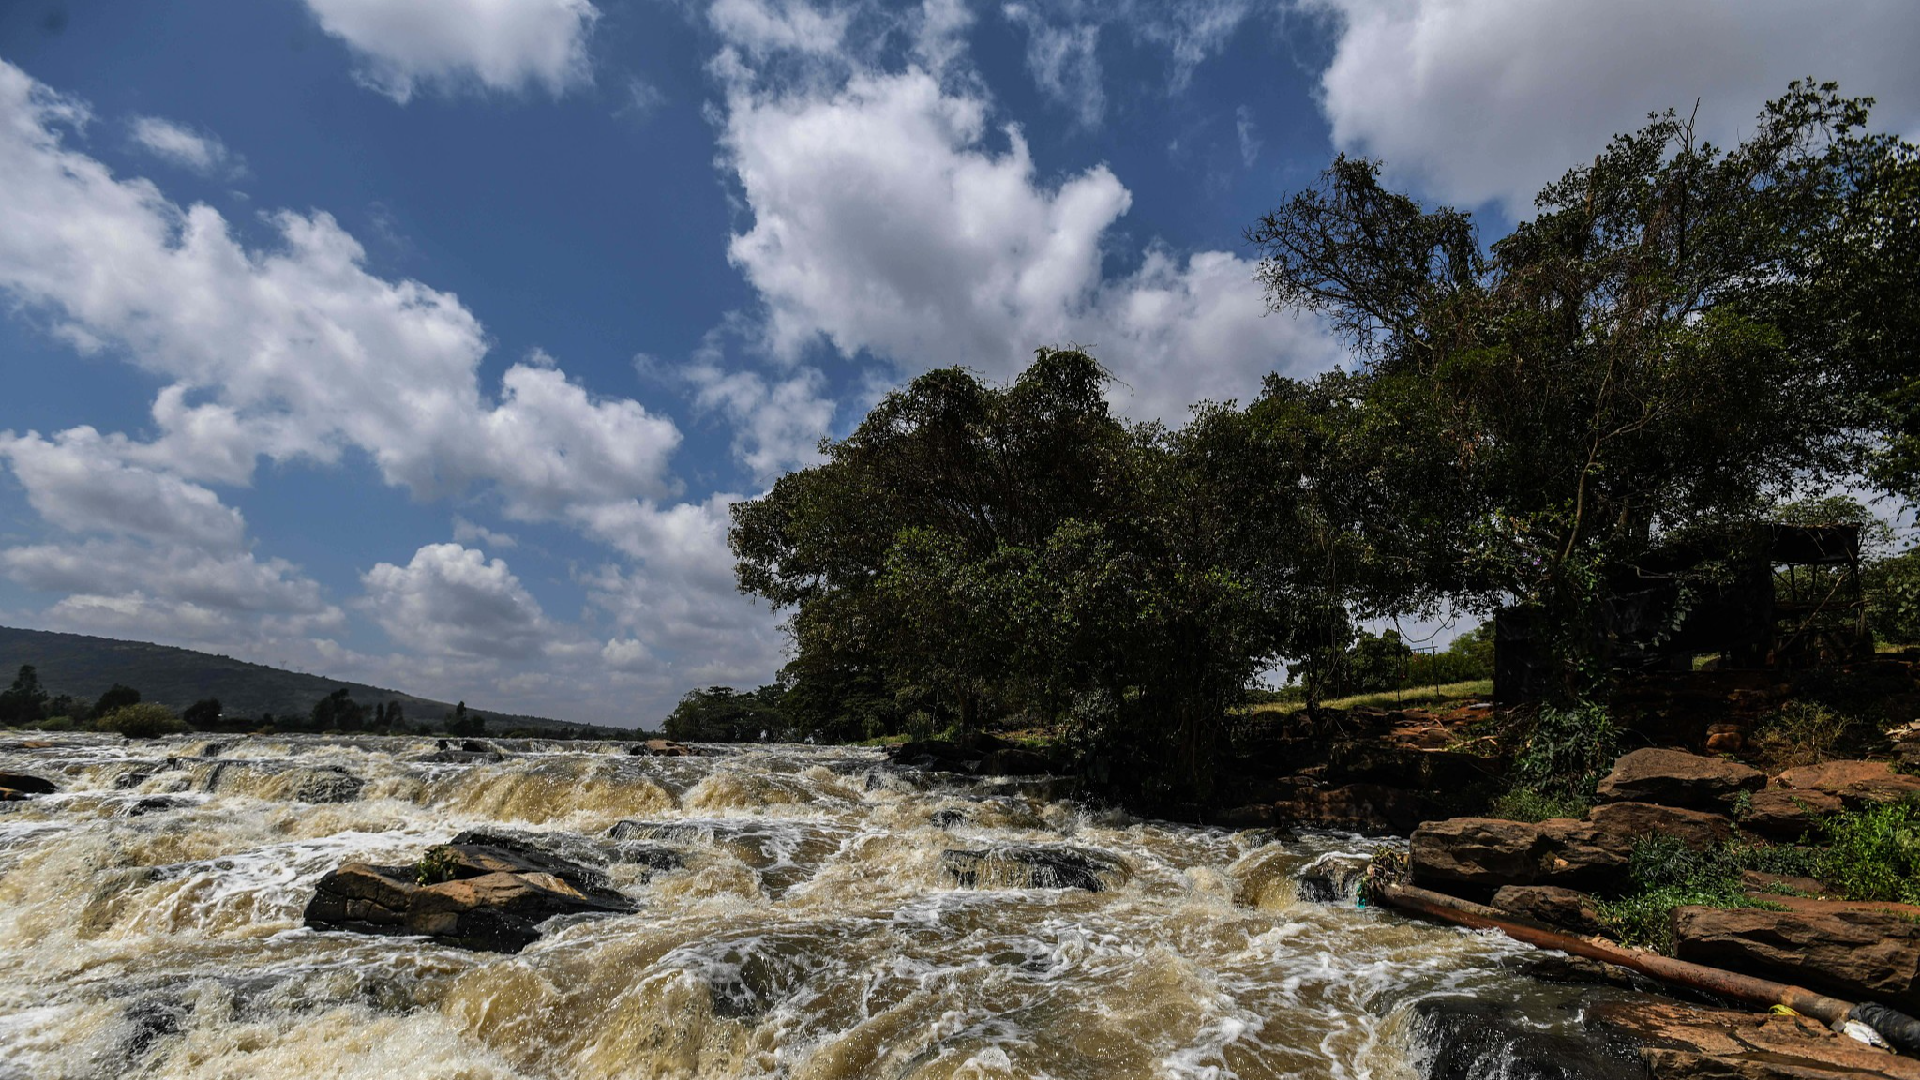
[151, 925]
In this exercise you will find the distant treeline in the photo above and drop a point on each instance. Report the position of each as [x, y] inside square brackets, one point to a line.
[27, 704]
[1683, 342]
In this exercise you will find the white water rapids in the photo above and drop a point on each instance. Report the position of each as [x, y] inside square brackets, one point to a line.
[150, 925]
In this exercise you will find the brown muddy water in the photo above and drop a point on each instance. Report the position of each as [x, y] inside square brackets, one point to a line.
[150, 925]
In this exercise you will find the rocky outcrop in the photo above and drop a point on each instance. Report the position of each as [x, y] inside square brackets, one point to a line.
[1853, 950]
[1021, 867]
[1677, 778]
[662, 748]
[476, 896]
[1854, 783]
[24, 784]
[1683, 1042]
[1368, 809]
[1550, 905]
[1487, 853]
[1787, 813]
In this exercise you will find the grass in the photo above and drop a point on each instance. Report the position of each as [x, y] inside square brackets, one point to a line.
[1445, 694]
[1532, 804]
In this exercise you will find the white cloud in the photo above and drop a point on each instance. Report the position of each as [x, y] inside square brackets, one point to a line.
[766, 26]
[500, 45]
[84, 482]
[174, 574]
[185, 147]
[1249, 137]
[777, 424]
[466, 532]
[884, 222]
[1064, 62]
[451, 600]
[1487, 100]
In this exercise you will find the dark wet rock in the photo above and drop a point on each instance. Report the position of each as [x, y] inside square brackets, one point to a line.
[154, 804]
[1853, 950]
[1684, 1042]
[1021, 867]
[1855, 783]
[326, 784]
[461, 757]
[1550, 905]
[1332, 879]
[1554, 967]
[662, 748]
[947, 819]
[1370, 809]
[1016, 761]
[1787, 814]
[148, 1022]
[1367, 762]
[493, 898]
[1468, 1039]
[672, 832]
[27, 784]
[1677, 778]
[127, 781]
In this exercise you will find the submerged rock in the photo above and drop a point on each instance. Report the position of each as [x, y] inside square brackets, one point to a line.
[1021, 867]
[1333, 879]
[475, 896]
[1677, 778]
[1468, 1039]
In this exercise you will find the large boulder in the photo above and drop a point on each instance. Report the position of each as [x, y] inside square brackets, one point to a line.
[1677, 778]
[1685, 1042]
[1486, 853]
[1787, 813]
[1011, 866]
[1855, 783]
[1623, 824]
[475, 896]
[1550, 905]
[1853, 950]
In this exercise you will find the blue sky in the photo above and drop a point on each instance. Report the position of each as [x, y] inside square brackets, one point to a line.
[426, 342]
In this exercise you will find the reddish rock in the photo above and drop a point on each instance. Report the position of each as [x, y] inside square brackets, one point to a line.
[1486, 853]
[1685, 1042]
[1856, 783]
[1855, 951]
[1550, 905]
[1725, 738]
[663, 748]
[1624, 824]
[1787, 813]
[1677, 778]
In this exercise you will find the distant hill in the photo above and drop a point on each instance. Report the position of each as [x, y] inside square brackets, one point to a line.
[86, 666]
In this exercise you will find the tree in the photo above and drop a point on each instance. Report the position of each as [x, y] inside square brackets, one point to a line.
[24, 702]
[116, 697]
[1675, 340]
[142, 720]
[338, 712]
[203, 715]
[722, 714]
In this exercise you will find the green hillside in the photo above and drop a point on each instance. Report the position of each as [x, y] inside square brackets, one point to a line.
[86, 666]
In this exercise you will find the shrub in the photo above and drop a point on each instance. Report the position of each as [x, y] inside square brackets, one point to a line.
[436, 866]
[1567, 753]
[145, 720]
[1530, 804]
[1667, 874]
[1802, 733]
[1872, 854]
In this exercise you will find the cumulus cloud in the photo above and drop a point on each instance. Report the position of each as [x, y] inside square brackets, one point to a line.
[84, 482]
[181, 145]
[499, 45]
[884, 222]
[149, 576]
[1486, 100]
[777, 423]
[452, 600]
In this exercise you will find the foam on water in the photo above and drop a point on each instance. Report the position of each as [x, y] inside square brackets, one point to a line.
[804, 926]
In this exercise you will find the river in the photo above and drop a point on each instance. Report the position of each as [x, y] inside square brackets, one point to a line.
[150, 925]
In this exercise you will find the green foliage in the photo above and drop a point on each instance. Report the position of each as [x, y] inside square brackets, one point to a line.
[1872, 854]
[1566, 753]
[1666, 874]
[141, 720]
[1891, 587]
[722, 714]
[1804, 733]
[24, 702]
[437, 865]
[202, 715]
[1532, 804]
[116, 696]
[338, 712]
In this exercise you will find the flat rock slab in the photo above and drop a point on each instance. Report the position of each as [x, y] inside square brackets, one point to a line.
[494, 899]
[1683, 1042]
[1787, 813]
[1018, 867]
[1677, 778]
[1856, 783]
[1852, 950]
[1583, 854]
[1470, 1039]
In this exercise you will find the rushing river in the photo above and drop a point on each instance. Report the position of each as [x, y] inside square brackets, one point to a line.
[150, 925]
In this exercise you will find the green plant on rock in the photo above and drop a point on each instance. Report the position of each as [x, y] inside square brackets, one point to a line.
[1872, 854]
[1530, 804]
[437, 865]
[1803, 733]
[1666, 875]
[142, 720]
[1565, 754]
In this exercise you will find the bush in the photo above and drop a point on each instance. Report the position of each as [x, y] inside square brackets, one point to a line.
[145, 720]
[1530, 804]
[436, 866]
[1802, 733]
[1567, 753]
[1667, 875]
[1872, 854]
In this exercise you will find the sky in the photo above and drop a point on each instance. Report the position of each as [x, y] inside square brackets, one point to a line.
[427, 342]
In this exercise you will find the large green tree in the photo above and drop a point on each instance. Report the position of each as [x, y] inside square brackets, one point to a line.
[1682, 335]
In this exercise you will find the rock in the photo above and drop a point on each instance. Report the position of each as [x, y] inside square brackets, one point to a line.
[493, 898]
[1019, 867]
[1855, 783]
[327, 784]
[662, 748]
[154, 804]
[1786, 813]
[1852, 950]
[1623, 824]
[1677, 778]
[1726, 738]
[947, 819]
[1332, 879]
[1684, 1042]
[1369, 809]
[1468, 1039]
[1386, 765]
[27, 784]
[1486, 853]
[1550, 905]
[1015, 761]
